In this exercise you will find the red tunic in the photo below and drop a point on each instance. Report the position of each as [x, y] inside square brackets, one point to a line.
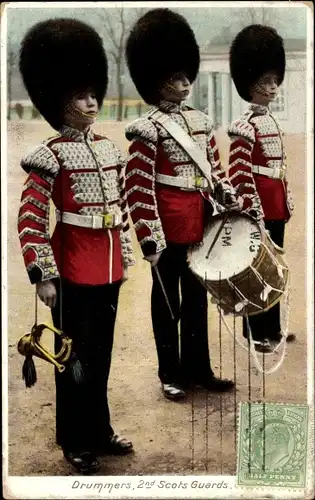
[82, 175]
[257, 141]
[163, 213]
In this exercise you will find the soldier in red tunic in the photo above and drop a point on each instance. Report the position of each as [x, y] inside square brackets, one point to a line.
[257, 157]
[168, 197]
[79, 270]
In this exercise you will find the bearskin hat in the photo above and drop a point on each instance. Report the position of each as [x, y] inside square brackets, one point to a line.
[160, 44]
[57, 58]
[256, 50]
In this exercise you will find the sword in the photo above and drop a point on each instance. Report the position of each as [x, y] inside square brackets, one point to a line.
[157, 272]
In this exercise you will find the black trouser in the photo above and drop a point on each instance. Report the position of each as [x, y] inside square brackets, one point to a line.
[267, 325]
[82, 413]
[192, 363]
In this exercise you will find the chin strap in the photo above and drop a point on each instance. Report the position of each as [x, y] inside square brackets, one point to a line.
[260, 90]
[78, 113]
[173, 90]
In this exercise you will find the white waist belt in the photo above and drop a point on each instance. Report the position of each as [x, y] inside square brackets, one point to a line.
[189, 183]
[103, 221]
[273, 173]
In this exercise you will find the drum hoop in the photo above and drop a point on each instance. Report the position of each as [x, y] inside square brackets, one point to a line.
[232, 213]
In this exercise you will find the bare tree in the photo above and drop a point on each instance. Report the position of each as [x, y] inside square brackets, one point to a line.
[257, 15]
[223, 38]
[244, 17]
[115, 25]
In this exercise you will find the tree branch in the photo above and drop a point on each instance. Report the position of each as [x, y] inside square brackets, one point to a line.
[114, 55]
[109, 29]
[139, 12]
[122, 34]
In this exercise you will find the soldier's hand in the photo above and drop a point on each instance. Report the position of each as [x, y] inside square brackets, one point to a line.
[154, 258]
[234, 203]
[47, 293]
[237, 204]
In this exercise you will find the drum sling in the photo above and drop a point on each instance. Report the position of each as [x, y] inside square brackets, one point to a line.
[187, 143]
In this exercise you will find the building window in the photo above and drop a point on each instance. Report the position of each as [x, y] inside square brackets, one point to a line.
[199, 98]
[279, 104]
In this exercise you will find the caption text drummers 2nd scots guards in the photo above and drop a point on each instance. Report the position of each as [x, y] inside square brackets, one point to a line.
[146, 485]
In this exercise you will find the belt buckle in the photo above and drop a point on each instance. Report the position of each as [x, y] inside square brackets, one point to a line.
[107, 221]
[198, 182]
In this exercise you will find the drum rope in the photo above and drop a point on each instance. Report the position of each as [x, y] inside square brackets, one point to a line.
[235, 381]
[274, 260]
[220, 350]
[249, 393]
[282, 343]
[264, 282]
[249, 403]
[207, 428]
[244, 299]
[264, 412]
[250, 343]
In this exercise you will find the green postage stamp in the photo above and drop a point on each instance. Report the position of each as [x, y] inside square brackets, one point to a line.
[272, 445]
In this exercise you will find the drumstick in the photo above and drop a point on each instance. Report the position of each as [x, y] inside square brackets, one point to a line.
[157, 272]
[226, 216]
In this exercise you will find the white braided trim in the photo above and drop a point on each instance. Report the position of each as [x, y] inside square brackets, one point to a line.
[242, 162]
[243, 173]
[141, 156]
[138, 204]
[135, 171]
[239, 149]
[141, 189]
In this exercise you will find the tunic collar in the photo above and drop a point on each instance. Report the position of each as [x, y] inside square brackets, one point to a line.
[171, 107]
[259, 108]
[75, 134]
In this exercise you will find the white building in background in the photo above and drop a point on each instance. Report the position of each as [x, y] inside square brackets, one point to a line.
[214, 91]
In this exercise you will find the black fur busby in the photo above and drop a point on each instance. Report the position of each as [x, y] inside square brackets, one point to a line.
[57, 58]
[160, 44]
[256, 50]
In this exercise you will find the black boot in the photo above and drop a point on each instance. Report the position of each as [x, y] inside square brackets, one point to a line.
[116, 445]
[215, 384]
[173, 391]
[291, 337]
[84, 462]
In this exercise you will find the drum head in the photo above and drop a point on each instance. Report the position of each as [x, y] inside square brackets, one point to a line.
[237, 246]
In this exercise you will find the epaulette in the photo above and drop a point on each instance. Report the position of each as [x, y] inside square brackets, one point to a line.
[242, 128]
[143, 128]
[41, 158]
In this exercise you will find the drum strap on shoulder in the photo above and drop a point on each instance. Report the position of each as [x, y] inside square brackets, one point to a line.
[187, 143]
